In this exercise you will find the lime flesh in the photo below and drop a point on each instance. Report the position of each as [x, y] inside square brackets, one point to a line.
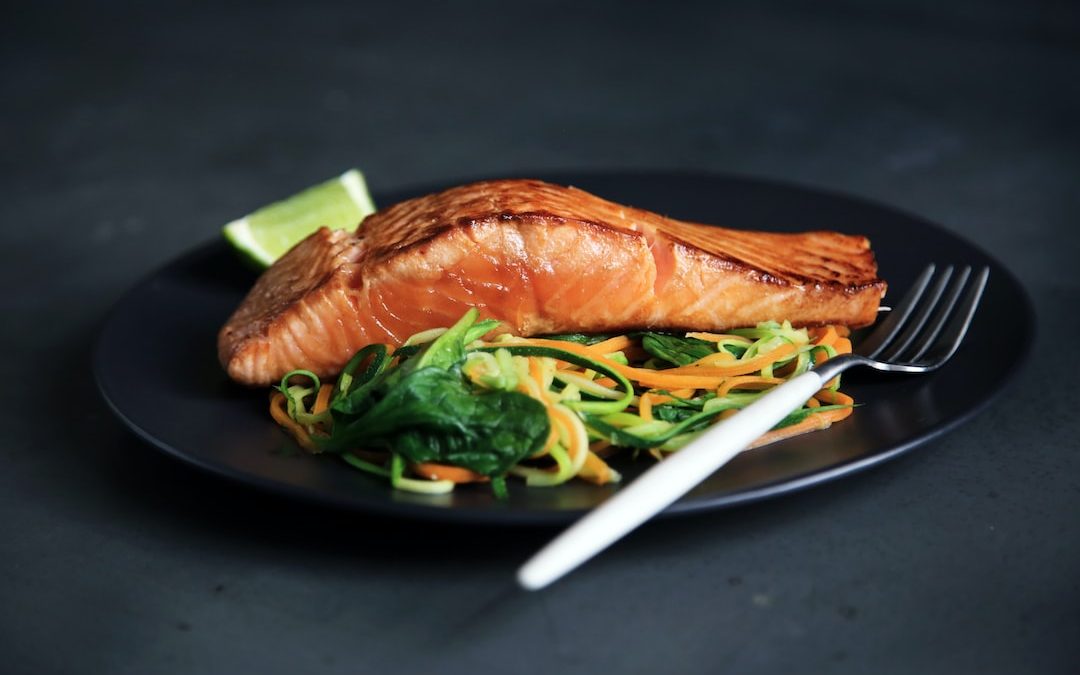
[265, 235]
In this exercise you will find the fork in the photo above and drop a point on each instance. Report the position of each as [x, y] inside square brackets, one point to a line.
[918, 336]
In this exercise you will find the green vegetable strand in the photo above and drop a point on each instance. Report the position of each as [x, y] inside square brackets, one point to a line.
[365, 465]
[498, 487]
[591, 406]
[295, 395]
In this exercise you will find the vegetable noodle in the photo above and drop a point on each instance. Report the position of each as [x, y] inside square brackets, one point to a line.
[449, 407]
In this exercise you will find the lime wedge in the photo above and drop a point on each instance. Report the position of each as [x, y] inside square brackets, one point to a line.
[265, 235]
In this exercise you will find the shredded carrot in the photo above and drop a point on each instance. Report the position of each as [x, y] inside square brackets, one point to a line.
[746, 382]
[701, 377]
[658, 399]
[536, 372]
[527, 385]
[828, 338]
[553, 434]
[322, 401]
[832, 338]
[569, 421]
[454, 474]
[615, 344]
[657, 379]
[595, 470]
[645, 407]
[812, 423]
[834, 397]
[739, 367]
[669, 382]
[837, 415]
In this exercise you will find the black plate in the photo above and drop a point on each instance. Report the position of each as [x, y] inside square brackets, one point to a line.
[156, 365]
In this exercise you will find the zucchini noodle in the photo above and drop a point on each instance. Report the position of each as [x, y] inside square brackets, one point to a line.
[649, 393]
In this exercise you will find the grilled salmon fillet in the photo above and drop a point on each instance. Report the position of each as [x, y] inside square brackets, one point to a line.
[541, 258]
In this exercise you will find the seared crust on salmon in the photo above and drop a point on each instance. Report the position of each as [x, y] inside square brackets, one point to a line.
[541, 258]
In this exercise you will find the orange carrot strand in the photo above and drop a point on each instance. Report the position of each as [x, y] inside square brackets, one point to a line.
[322, 401]
[615, 344]
[278, 412]
[455, 474]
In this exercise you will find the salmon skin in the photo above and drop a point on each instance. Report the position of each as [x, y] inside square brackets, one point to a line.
[540, 258]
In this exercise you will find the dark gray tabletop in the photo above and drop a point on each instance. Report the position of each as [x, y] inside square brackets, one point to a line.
[131, 133]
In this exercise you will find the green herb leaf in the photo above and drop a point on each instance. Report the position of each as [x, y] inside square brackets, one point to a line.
[581, 338]
[445, 351]
[433, 415]
[673, 413]
[678, 351]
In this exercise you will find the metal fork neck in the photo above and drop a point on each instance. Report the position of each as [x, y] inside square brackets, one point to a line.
[839, 364]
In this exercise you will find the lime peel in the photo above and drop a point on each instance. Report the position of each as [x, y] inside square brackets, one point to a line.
[266, 234]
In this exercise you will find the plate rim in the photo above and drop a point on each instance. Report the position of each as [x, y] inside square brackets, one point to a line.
[495, 516]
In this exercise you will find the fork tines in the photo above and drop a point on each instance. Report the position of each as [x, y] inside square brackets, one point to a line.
[929, 323]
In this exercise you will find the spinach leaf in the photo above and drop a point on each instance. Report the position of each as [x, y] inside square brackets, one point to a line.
[581, 338]
[443, 352]
[674, 413]
[432, 415]
[679, 351]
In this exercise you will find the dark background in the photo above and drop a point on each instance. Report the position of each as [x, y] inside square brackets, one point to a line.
[131, 133]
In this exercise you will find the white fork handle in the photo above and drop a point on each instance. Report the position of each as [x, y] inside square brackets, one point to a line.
[661, 485]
